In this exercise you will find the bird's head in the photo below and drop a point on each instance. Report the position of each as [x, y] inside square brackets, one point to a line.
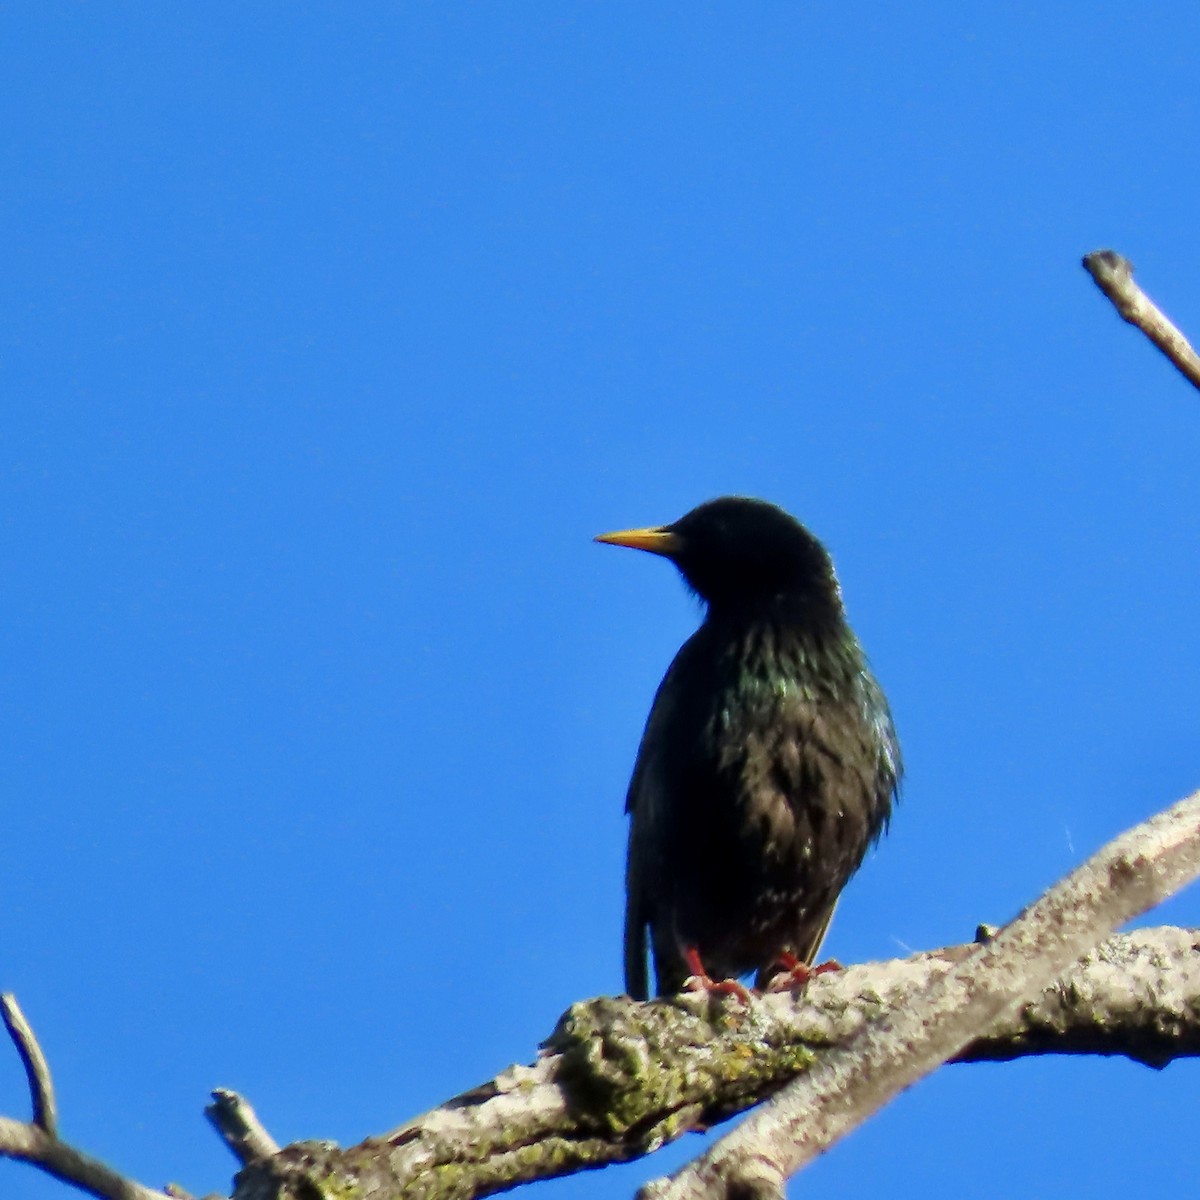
[739, 552]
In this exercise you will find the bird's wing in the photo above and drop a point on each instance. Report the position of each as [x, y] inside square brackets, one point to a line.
[637, 982]
[644, 803]
[651, 796]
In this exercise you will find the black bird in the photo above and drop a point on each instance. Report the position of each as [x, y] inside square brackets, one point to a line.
[769, 763]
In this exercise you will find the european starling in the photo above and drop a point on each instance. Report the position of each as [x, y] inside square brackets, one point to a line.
[769, 762]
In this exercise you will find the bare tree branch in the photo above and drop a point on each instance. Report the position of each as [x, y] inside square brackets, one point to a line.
[37, 1142]
[1128, 876]
[620, 1079]
[1114, 277]
[41, 1088]
[33, 1145]
[238, 1126]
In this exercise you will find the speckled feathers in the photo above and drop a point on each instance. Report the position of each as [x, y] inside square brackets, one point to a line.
[769, 762]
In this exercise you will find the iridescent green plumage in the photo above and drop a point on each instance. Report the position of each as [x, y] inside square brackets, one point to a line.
[769, 762]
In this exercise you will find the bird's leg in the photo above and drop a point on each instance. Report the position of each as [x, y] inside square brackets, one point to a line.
[795, 974]
[701, 981]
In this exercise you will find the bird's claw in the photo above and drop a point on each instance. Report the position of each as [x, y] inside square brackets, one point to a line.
[795, 975]
[701, 981]
[718, 987]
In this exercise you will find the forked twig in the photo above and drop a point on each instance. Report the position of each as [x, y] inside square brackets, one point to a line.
[37, 1141]
[37, 1071]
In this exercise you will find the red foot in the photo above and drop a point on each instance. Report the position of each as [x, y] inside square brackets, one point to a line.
[796, 974]
[701, 981]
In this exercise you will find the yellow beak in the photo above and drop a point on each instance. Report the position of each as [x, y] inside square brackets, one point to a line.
[658, 540]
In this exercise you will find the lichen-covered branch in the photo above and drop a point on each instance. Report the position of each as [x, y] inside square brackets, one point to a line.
[1126, 877]
[618, 1079]
[1113, 275]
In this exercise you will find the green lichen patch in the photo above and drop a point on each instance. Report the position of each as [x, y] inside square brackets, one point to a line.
[650, 1071]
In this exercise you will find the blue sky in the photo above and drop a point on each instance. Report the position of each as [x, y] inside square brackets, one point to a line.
[331, 334]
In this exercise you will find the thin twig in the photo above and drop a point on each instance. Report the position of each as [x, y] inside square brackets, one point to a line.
[25, 1141]
[1125, 878]
[238, 1126]
[37, 1071]
[1114, 277]
[37, 1142]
